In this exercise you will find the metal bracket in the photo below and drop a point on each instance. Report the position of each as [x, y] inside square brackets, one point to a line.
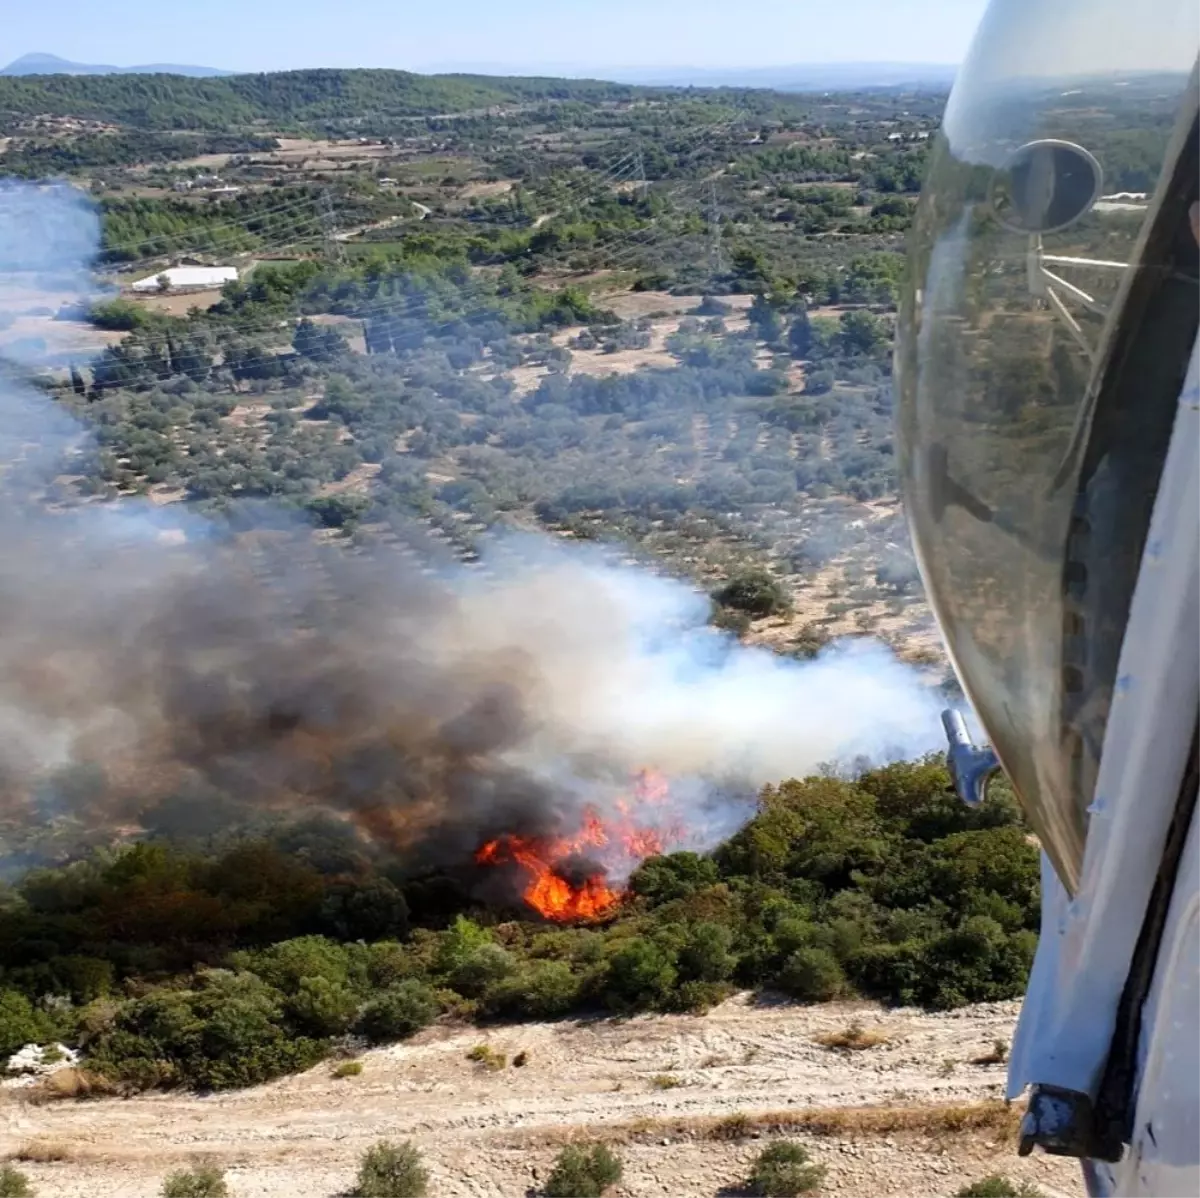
[971, 768]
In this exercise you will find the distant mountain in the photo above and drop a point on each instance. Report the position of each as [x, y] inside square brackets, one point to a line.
[803, 77]
[51, 64]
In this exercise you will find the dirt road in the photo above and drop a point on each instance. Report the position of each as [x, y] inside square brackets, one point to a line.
[494, 1133]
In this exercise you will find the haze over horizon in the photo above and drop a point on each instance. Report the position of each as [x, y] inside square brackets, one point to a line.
[520, 37]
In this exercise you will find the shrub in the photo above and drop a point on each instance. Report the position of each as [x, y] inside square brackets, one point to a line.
[488, 1057]
[854, 1038]
[201, 1181]
[400, 1011]
[460, 940]
[286, 964]
[323, 1007]
[812, 974]
[391, 1171]
[347, 1069]
[755, 592]
[998, 1186]
[784, 1171]
[640, 975]
[14, 1183]
[542, 990]
[43, 1152]
[482, 967]
[705, 955]
[583, 1172]
[20, 1023]
[666, 1081]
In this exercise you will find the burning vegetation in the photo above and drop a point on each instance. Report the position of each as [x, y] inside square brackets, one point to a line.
[569, 877]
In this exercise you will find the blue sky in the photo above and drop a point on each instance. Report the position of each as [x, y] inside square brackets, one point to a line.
[520, 34]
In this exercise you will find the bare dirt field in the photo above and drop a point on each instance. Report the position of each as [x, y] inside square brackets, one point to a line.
[655, 1086]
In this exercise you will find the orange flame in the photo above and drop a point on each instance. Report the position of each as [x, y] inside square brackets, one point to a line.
[620, 844]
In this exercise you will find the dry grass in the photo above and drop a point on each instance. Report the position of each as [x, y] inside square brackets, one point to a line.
[997, 1056]
[855, 1038]
[932, 1120]
[70, 1083]
[665, 1081]
[44, 1152]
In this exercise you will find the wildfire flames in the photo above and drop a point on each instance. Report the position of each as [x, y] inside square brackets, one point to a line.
[555, 887]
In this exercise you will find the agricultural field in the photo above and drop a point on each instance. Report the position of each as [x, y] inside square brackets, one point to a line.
[652, 318]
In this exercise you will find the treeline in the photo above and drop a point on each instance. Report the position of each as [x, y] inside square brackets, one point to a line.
[31, 158]
[136, 229]
[310, 99]
[228, 965]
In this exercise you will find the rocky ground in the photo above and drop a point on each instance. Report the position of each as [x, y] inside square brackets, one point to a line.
[655, 1086]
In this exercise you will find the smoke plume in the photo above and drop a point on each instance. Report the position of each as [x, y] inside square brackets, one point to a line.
[146, 655]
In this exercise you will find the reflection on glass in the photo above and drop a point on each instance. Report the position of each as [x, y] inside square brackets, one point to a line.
[1017, 284]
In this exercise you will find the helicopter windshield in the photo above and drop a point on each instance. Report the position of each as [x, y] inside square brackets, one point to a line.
[1049, 313]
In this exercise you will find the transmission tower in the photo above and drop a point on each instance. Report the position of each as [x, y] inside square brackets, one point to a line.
[716, 256]
[329, 229]
[640, 168]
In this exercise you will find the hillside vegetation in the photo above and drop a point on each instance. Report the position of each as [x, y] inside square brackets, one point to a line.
[285, 99]
[227, 963]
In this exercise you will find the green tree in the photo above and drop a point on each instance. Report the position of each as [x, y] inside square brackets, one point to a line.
[862, 333]
[800, 337]
[755, 592]
[321, 344]
[765, 319]
[392, 1171]
[338, 511]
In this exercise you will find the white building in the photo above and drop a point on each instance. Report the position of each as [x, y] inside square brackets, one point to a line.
[189, 276]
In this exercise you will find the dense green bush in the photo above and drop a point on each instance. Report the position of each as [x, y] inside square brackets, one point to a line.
[756, 593]
[481, 968]
[783, 1170]
[14, 1183]
[322, 1007]
[391, 1171]
[20, 1023]
[641, 974]
[539, 990]
[581, 1172]
[400, 1011]
[812, 974]
[201, 1181]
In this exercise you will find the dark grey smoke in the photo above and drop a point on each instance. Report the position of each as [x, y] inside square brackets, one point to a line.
[154, 672]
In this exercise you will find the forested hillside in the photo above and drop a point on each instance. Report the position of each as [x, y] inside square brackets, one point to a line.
[283, 100]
